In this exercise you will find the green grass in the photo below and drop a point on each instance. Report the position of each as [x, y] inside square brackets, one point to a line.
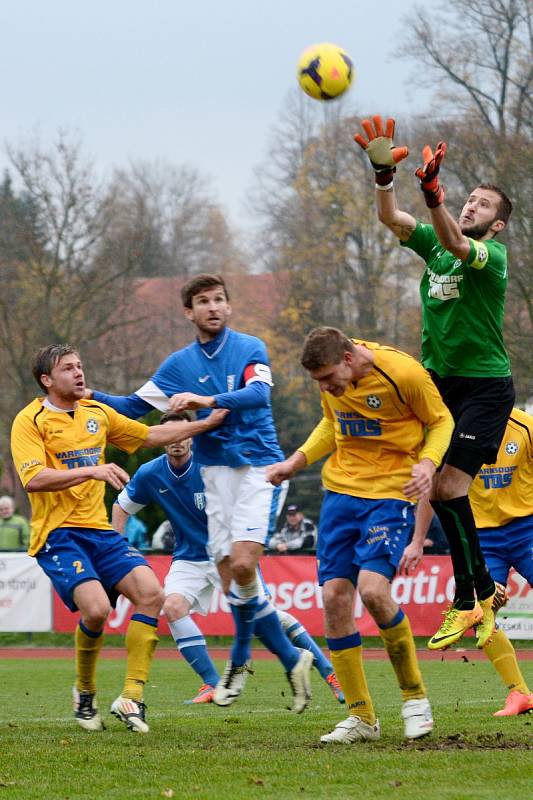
[257, 748]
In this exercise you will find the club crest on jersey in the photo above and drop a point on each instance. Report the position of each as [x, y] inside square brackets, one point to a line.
[511, 448]
[231, 382]
[373, 401]
[92, 426]
[199, 500]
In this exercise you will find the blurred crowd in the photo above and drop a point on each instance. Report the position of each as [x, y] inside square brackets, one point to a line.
[297, 534]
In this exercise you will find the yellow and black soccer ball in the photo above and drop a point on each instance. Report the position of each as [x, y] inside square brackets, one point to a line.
[325, 71]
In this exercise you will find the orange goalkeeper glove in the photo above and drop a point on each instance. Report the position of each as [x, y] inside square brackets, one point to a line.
[380, 149]
[429, 174]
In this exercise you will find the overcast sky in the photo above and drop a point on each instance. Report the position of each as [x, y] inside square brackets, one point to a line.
[200, 82]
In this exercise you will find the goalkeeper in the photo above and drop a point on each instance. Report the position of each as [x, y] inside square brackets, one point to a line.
[462, 292]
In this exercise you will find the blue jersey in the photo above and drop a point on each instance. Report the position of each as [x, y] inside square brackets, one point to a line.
[180, 493]
[233, 368]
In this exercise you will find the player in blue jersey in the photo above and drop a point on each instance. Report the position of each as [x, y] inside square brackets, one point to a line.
[223, 368]
[173, 481]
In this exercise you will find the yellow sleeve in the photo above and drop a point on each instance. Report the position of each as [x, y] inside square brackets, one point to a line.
[27, 448]
[125, 433]
[425, 400]
[320, 441]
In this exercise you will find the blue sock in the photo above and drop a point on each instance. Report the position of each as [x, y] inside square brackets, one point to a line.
[243, 604]
[268, 629]
[192, 646]
[301, 638]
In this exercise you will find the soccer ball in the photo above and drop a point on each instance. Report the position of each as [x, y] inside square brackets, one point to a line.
[325, 71]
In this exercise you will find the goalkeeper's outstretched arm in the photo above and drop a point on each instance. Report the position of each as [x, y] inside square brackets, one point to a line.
[384, 156]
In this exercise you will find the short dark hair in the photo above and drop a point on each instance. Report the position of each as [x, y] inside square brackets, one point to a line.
[505, 206]
[46, 359]
[324, 346]
[199, 284]
[175, 416]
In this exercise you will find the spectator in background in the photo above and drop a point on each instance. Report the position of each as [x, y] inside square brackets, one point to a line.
[135, 532]
[164, 538]
[297, 535]
[14, 529]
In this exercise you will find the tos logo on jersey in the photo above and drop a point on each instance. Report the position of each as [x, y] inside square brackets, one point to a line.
[511, 448]
[92, 426]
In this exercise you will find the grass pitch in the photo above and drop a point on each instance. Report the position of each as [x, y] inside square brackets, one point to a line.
[257, 748]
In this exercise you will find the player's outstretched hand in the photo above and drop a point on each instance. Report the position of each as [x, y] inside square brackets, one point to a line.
[411, 558]
[429, 174]
[112, 474]
[188, 401]
[379, 145]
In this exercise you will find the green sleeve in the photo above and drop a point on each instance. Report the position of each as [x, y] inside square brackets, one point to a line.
[422, 240]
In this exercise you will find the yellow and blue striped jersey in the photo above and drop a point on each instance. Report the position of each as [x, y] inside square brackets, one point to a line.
[380, 427]
[44, 437]
[503, 491]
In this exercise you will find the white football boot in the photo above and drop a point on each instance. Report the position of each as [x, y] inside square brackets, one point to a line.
[417, 718]
[351, 730]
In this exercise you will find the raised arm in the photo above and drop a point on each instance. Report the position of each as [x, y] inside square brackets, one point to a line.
[384, 156]
[131, 406]
[178, 430]
[446, 227]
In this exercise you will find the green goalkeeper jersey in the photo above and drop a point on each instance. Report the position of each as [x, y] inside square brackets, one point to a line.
[462, 307]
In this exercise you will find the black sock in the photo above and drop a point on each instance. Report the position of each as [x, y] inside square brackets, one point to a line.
[483, 581]
[458, 523]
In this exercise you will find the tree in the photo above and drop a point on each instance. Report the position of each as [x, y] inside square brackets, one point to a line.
[75, 253]
[51, 285]
[171, 222]
[479, 58]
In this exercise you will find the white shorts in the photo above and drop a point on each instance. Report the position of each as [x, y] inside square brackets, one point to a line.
[195, 580]
[241, 506]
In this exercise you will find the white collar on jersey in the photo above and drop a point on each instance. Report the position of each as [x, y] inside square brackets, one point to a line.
[219, 348]
[179, 475]
[52, 407]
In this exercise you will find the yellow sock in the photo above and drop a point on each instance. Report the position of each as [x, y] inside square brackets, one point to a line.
[87, 651]
[348, 666]
[503, 657]
[141, 641]
[400, 646]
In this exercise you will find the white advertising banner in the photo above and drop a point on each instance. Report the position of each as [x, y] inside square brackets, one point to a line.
[516, 618]
[25, 595]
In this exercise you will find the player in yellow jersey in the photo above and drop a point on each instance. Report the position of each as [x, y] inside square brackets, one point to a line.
[502, 502]
[58, 444]
[387, 429]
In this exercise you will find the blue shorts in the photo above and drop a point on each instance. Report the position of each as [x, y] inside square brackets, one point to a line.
[509, 546]
[72, 556]
[355, 533]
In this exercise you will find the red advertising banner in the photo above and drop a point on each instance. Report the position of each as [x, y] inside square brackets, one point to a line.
[292, 582]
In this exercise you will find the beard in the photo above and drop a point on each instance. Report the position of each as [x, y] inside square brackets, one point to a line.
[476, 231]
